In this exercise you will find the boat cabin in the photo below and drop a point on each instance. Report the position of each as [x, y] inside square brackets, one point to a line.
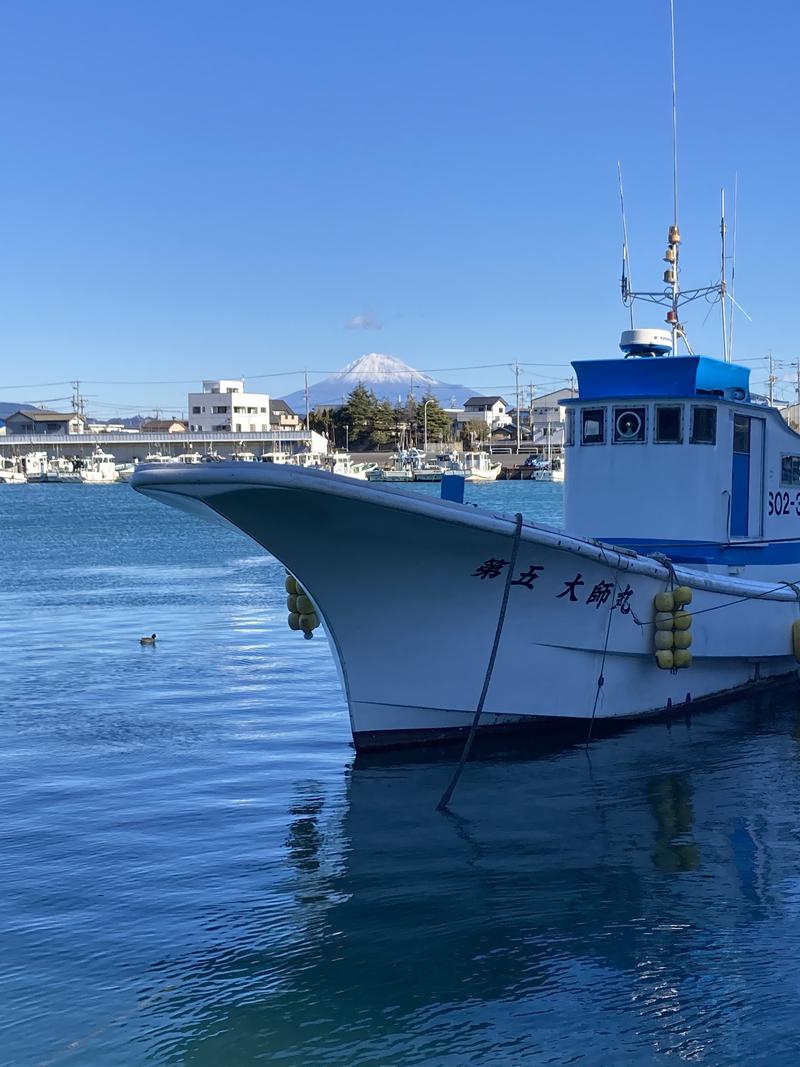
[674, 450]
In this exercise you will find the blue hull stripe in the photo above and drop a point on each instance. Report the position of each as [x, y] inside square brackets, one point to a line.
[736, 554]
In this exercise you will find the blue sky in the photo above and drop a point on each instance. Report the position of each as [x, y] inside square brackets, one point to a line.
[199, 189]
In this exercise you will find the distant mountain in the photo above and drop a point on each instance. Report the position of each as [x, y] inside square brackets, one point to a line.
[132, 422]
[389, 379]
[9, 409]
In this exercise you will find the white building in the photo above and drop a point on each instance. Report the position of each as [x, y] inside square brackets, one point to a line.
[224, 406]
[489, 409]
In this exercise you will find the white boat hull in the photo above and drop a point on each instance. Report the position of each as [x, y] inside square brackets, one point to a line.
[409, 591]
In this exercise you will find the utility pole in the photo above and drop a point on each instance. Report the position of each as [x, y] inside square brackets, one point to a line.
[305, 390]
[771, 380]
[77, 399]
[516, 381]
[530, 412]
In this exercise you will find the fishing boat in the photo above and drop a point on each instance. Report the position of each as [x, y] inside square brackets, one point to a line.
[99, 469]
[550, 471]
[675, 582]
[11, 472]
[679, 480]
[35, 466]
[677, 579]
[342, 463]
[476, 467]
[390, 474]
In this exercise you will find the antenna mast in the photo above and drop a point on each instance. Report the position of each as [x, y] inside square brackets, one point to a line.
[672, 297]
[672, 255]
[627, 279]
[733, 267]
[722, 234]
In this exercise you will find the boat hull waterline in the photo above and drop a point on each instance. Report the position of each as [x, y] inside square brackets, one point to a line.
[409, 591]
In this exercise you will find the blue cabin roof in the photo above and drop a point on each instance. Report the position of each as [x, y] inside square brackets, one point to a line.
[662, 376]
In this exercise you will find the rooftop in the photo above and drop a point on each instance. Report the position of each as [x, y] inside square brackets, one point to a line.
[661, 376]
[38, 415]
[482, 401]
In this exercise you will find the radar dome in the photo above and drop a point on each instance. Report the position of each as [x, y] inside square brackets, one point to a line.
[646, 342]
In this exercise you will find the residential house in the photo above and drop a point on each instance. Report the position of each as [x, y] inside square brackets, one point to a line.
[39, 421]
[282, 417]
[493, 410]
[163, 426]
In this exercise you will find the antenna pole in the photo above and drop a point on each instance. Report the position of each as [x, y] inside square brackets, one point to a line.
[733, 267]
[673, 250]
[627, 280]
[722, 232]
[674, 120]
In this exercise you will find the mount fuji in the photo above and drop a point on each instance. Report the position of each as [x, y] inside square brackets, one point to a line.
[389, 379]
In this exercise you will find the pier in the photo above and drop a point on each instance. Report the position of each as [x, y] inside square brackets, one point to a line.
[131, 447]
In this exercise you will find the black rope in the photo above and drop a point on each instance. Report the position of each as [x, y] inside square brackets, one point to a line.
[601, 678]
[448, 793]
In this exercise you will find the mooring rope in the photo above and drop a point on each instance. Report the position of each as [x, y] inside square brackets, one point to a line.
[601, 677]
[448, 793]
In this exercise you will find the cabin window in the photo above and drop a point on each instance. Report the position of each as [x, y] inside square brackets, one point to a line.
[629, 425]
[569, 436]
[669, 424]
[704, 426]
[741, 435]
[593, 426]
[790, 470]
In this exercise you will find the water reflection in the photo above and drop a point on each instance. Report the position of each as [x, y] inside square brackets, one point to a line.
[670, 798]
[643, 893]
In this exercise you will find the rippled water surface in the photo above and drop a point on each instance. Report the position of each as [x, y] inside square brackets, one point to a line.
[196, 870]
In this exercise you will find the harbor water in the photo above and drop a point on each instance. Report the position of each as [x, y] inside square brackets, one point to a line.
[196, 869]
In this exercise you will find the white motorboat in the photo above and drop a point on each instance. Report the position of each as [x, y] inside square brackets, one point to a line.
[390, 474]
[11, 472]
[476, 467]
[551, 471]
[306, 458]
[99, 469]
[35, 466]
[342, 463]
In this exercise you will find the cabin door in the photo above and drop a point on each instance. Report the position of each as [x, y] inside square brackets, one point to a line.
[747, 476]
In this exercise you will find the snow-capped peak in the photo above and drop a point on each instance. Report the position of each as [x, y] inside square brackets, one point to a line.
[376, 367]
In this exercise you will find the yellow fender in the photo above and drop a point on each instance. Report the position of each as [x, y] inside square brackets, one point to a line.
[664, 602]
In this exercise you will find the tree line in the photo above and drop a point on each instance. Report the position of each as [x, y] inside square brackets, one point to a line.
[365, 423]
